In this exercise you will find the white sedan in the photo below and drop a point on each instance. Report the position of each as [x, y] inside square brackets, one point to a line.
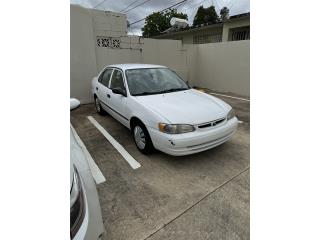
[161, 110]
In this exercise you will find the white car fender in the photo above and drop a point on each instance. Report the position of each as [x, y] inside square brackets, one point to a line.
[149, 117]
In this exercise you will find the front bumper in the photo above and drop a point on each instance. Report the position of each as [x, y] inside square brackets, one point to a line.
[193, 142]
[92, 227]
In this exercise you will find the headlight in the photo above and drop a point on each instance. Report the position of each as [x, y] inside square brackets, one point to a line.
[77, 204]
[231, 114]
[175, 128]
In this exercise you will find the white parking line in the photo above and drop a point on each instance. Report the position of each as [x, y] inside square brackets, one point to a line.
[96, 173]
[132, 162]
[243, 99]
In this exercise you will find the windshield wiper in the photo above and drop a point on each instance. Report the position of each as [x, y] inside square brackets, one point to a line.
[145, 93]
[174, 90]
[160, 92]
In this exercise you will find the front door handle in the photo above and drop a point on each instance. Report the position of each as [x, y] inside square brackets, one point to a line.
[97, 88]
[108, 95]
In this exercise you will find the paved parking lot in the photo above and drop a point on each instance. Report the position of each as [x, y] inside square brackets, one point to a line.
[201, 196]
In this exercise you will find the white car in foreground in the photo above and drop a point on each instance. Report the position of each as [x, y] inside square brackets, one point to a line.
[85, 212]
[161, 110]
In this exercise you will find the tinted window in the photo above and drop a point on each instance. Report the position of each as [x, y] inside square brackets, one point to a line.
[105, 77]
[153, 81]
[117, 80]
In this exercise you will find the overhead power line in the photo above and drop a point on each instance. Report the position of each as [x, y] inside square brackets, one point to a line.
[197, 4]
[174, 5]
[99, 3]
[182, 4]
[129, 5]
[137, 6]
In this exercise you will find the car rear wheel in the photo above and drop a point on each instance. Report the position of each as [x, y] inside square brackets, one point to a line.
[142, 139]
[97, 104]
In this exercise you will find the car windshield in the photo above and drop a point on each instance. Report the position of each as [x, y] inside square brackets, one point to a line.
[147, 81]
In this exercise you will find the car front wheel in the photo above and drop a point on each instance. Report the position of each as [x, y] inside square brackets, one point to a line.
[97, 104]
[142, 139]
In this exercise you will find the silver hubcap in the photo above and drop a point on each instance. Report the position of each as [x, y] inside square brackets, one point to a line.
[139, 137]
[97, 105]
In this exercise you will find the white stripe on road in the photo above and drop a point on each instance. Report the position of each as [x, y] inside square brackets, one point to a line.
[243, 99]
[132, 162]
[95, 171]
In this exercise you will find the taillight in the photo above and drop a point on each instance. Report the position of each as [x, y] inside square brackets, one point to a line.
[77, 204]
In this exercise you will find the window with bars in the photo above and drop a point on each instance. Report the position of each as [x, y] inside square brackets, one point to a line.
[206, 38]
[239, 34]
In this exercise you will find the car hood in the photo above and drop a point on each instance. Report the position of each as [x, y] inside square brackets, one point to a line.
[189, 107]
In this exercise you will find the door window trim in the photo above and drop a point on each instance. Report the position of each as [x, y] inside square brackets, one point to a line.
[102, 74]
[123, 80]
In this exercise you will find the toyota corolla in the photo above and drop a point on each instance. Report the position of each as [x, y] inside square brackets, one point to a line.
[161, 110]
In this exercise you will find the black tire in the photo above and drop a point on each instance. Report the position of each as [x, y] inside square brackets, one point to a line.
[148, 146]
[98, 106]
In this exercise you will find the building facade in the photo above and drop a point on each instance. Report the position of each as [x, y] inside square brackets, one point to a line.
[236, 28]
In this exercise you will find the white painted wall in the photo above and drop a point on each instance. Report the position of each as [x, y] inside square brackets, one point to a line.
[83, 63]
[224, 66]
[219, 66]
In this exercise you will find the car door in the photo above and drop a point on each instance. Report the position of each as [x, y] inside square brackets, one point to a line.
[102, 88]
[118, 101]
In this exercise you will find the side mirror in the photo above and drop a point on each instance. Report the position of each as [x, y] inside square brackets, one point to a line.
[74, 103]
[119, 91]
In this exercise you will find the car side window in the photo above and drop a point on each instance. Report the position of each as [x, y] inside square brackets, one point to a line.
[117, 80]
[105, 77]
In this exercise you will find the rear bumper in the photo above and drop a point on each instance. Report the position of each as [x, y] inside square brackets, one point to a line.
[194, 142]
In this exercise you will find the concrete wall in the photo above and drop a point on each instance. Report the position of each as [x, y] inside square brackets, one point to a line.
[151, 51]
[107, 56]
[106, 23]
[83, 63]
[219, 66]
[224, 66]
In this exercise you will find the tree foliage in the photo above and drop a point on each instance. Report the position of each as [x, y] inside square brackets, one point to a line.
[206, 15]
[157, 22]
[224, 14]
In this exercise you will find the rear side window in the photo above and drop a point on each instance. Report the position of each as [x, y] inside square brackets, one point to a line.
[117, 80]
[105, 77]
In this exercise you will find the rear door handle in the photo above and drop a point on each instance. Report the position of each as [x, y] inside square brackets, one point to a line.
[108, 95]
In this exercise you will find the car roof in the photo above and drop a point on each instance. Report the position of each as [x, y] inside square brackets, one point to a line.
[135, 66]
